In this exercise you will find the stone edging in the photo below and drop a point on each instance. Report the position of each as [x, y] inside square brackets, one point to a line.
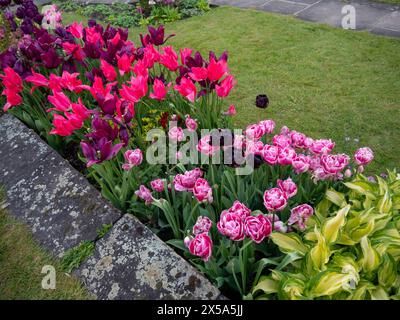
[63, 209]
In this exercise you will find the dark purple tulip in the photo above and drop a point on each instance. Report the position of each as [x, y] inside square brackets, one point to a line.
[38, 18]
[50, 59]
[92, 23]
[123, 33]
[102, 129]
[196, 61]
[10, 17]
[107, 106]
[157, 35]
[5, 3]
[20, 12]
[93, 73]
[124, 136]
[99, 151]
[262, 101]
[8, 58]
[92, 50]
[224, 56]
[27, 26]
[18, 1]
[69, 66]
[62, 33]
[109, 33]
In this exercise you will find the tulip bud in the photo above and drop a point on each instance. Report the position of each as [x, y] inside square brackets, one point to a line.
[360, 169]
[348, 173]
[262, 101]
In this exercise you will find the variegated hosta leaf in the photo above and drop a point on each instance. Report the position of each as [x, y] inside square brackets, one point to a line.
[267, 285]
[291, 289]
[362, 187]
[360, 292]
[320, 253]
[289, 242]
[385, 203]
[387, 273]
[363, 231]
[378, 294]
[370, 260]
[332, 226]
[335, 197]
[328, 283]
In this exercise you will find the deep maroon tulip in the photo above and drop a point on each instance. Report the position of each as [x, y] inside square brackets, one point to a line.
[262, 101]
[99, 151]
[224, 56]
[27, 26]
[5, 3]
[196, 61]
[50, 59]
[92, 50]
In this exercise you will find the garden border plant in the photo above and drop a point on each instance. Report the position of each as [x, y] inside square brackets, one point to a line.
[92, 87]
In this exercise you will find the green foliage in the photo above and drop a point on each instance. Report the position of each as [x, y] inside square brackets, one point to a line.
[5, 34]
[350, 250]
[73, 258]
[104, 230]
[69, 5]
[189, 8]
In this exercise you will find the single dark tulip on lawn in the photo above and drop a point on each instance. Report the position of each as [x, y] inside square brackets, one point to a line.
[262, 101]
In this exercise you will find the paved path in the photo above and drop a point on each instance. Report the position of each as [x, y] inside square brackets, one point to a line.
[378, 18]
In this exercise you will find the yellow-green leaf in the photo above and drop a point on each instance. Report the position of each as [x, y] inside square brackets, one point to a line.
[332, 226]
[266, 285]
[289, 242]
[370, 260]
[335, 197]
[320, 253]
[328, 283]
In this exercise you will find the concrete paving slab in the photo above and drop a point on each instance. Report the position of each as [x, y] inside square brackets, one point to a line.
[130, 262]
[283, 7]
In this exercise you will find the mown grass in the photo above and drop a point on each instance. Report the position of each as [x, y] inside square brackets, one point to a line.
[21, 262]
[323, 81]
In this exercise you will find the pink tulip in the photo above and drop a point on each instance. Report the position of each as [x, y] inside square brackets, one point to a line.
[286, 156]
[204, 146]
[231, 225]
[287, 186]
[144, 194]
[240, 209]
[187, 89]
[322, 146]
[158, 185]
[277, 224]
[257, 227]
[76, 29]
[275, 199]
[191, 124]
[225, 87]
[132, 158]
[169, 58]
[38, 80]
[363, 156]
[198, 73]
[281, 141]
[254, 147]
[184, 53]
[299, 215]
[201, 245]
[301, 163]
[298, 139]
[268, 126]
[108, 70]
[216, 70]
[176, 134]
[231, 111]
[285, 131]
[333, 164]
[74, 50]
[202, 191]
[238, 141]
[203, 225]
[159, 90]
[270, 154]
[254, 132]
[186, 181]
[124, 63]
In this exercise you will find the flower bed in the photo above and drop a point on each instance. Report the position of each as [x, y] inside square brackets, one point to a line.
[263, 215]
[142, 13]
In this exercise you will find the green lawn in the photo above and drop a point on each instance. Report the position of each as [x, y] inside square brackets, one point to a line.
[323, 81]
[21, 262]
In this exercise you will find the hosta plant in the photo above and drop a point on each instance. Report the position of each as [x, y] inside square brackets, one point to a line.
[350, 249]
